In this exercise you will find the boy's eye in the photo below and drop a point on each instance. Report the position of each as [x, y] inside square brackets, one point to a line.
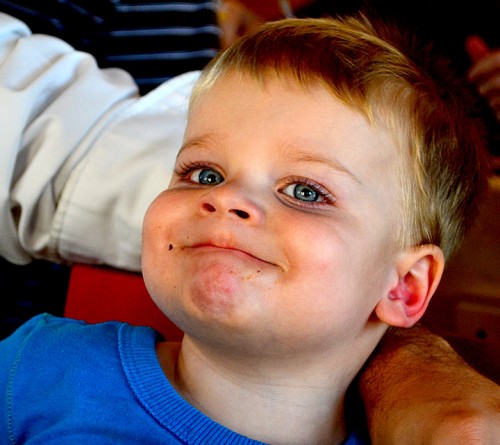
[206, 176]
[302, 192]
[307, 192]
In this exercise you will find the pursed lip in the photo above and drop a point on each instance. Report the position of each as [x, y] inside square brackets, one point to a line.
[239, 250]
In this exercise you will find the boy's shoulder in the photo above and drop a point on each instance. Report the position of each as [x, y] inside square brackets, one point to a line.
[62, 379]
[47, 341]
[45, 328]
[45, 322]
[49, 352]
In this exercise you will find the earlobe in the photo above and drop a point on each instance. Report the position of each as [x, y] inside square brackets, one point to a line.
[419, 272]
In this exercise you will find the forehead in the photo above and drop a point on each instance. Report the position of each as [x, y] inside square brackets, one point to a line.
[302, 110]
[283, 120]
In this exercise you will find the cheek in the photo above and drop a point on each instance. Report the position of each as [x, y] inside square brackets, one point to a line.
[329, 268]
[163, 217]
[152, 231]
[159, 227]
[316, 252]
[318, 268]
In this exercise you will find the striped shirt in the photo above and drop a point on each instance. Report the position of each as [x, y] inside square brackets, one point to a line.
[153, 40]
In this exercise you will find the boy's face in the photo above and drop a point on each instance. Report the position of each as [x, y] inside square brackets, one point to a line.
[278, 230]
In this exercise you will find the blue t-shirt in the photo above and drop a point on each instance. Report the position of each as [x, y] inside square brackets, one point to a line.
[65, 381]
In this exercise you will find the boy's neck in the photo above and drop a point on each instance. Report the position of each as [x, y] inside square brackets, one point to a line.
[255, 403]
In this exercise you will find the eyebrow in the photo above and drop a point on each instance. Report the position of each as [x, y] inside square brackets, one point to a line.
[300, 156]
[292, 153]
[197, 142]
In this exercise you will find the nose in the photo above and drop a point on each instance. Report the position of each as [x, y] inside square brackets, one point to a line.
[227, 200]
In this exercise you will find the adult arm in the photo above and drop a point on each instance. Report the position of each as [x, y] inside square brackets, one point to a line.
[417, 390]
[81, 154]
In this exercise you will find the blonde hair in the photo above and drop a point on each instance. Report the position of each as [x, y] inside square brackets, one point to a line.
[424, 106]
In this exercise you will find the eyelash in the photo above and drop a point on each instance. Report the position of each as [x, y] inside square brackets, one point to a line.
[184, 170]
[327, 197]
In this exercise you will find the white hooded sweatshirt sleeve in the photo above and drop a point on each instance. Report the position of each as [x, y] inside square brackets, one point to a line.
[81, 153]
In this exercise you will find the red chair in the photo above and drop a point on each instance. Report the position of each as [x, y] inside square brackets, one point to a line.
[97, 294]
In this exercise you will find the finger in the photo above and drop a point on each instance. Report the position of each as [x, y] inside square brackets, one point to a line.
[476, 48]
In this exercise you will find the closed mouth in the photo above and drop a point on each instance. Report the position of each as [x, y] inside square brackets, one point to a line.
[235, 249]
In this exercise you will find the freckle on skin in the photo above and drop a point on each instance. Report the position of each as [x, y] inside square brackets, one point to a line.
[170, 247]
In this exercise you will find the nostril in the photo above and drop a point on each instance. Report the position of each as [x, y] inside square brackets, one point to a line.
[208, 207]
[241, 213]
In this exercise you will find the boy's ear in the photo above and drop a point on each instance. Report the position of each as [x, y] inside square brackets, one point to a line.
[419, 271]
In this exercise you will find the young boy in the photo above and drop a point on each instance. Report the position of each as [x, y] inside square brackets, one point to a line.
[323, 180]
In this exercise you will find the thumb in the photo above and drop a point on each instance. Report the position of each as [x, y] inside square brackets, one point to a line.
[476, 48]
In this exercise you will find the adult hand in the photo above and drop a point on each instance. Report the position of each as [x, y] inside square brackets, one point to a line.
[236, 20]
[485, 72]
[238, 17]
